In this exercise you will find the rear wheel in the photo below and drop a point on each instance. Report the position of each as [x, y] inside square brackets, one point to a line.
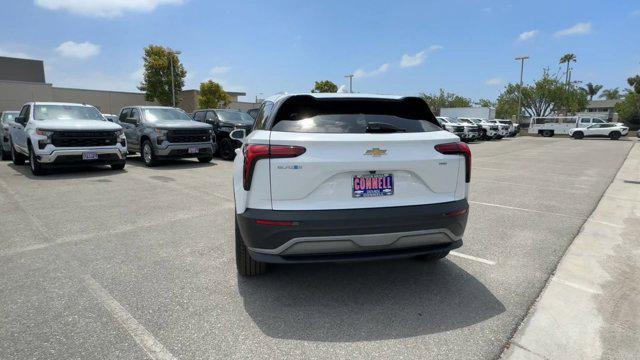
[578, 135]
[147, 154]
[245, 264]
[227, 152]
[614, 135]
[547, 133]
[433, 256]
[16, 157]
[36, 168]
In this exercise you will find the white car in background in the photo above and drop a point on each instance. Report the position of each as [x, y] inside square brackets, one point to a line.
[503, 129]
[467, 132]
[610, 130]
[344, 177]
[489, 131]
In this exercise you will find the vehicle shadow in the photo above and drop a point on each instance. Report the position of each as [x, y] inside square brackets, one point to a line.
[82, 172]
[350, 302]
[172, 164]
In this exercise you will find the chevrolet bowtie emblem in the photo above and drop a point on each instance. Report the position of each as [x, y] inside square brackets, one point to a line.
[375, 152]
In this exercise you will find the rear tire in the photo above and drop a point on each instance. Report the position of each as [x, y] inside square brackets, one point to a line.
[16, 157]
[227, 152]
[614, 135]
[34, 165]
[146, 152]
[244, 263]
[578, 135]
[433, 256]
[547, 133]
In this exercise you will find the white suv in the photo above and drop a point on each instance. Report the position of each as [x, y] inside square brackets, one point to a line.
[343, 177]
[611, 130]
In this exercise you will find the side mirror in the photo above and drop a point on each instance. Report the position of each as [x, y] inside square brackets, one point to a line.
[20, 120]
[238, 134]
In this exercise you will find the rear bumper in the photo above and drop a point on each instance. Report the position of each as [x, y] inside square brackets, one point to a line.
[353, 234]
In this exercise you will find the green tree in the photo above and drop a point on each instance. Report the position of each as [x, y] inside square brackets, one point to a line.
[157, 75]
[324, 86]
[610, 94]
[486, 103]
[629, 110]
[444, 100]
[567, 59]
[592, 90]
[546, 96]
[634, 82]
[212, 96]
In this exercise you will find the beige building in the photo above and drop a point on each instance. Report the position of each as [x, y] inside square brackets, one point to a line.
[23, 80]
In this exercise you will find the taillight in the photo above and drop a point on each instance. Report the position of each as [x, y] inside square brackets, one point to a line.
[458, 148]
[254, 152]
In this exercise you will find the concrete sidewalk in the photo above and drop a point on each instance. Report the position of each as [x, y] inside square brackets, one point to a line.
[590, 308]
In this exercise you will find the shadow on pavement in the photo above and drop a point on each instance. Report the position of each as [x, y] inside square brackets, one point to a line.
[173, 164]
[366, 301]
[80, 172]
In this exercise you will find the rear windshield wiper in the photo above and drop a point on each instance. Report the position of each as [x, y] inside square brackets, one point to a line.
[377, 127]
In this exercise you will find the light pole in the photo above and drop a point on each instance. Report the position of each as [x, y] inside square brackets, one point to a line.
[522, 59]
[257, 97]
[173, 89]
[350, 76]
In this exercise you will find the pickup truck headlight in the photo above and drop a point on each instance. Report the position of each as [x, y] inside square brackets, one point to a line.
[42, 143]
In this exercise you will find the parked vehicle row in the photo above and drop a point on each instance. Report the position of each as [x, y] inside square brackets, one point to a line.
[51, 134]
[471, 129]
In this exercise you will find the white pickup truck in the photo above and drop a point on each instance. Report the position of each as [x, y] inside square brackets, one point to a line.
[552, 125]
[49, 134]
[466, 131]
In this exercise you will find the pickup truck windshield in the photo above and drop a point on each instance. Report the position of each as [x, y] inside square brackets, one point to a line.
[235, 117]
[162, 114]
[9, 116]
[66, 112]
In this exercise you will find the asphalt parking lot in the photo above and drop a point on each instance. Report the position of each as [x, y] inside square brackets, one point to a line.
[139, 264]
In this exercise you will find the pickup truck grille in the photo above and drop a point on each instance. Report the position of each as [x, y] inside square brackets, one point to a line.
[188, 136]
[473, 130]
[83, 138]
[458, 128]
[493, 127]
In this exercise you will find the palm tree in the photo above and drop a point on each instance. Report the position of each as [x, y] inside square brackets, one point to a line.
[610, 94]
[568, 58]
[634, 82]
[592, 90]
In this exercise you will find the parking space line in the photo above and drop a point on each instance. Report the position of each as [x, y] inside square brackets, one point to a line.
[524, 209]
[575, 286]
[140, 334]
[469, 257]
[529, 186]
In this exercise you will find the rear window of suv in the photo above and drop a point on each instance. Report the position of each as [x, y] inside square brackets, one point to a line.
[305, 114]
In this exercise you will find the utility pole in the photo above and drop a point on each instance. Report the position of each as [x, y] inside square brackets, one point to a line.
[257, 97]
[522, 59]
[173, 89]
[350, 76]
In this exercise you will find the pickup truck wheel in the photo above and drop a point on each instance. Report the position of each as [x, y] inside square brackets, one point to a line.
[433, 256]
[578, 135]
[16, 157]
[147, 154]
[36, 168]
[205, 159]
[614, 135]
[227, 152]
[245, 264]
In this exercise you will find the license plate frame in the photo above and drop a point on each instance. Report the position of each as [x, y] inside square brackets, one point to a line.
[89, 155]
[193, 150]
[377, 185]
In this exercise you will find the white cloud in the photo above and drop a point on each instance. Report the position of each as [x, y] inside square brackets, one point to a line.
[362, 74]
[494, 81]
[76, 50]
[104, 8]
[577, 29]
[417, 59]
[14, 54]
[528, 35]
[219, 70]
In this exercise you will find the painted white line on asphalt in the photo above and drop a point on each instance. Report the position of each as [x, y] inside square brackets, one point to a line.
[469, 257]
[142, 336]
[523, 209]
[575, 286]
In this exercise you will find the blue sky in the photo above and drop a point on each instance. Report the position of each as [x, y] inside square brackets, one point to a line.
[402, 47]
